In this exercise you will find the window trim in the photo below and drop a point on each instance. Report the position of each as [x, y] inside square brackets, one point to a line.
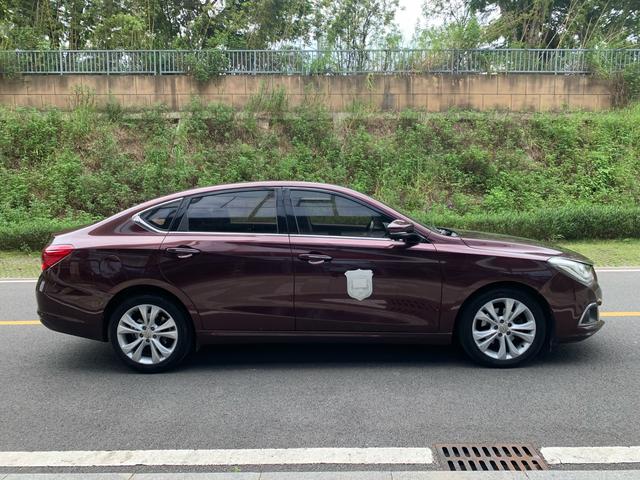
[291, 217]
[276, 191]
[138, 220]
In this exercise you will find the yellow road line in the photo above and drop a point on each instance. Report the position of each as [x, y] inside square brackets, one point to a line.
[620, 314]
[19, 322]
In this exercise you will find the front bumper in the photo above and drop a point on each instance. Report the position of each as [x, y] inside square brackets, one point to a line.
[583, 320]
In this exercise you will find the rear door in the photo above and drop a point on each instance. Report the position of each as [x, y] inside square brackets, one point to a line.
[231, 256]
[350, 276]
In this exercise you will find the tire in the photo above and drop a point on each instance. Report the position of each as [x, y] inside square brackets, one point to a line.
[150, 333]
[492, 337]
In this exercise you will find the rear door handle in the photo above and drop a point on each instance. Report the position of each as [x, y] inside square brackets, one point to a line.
[314, 258]
[183, 252]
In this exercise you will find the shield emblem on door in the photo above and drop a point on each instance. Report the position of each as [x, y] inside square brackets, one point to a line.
[359, 283]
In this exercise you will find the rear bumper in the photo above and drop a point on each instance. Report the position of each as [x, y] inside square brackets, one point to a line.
[61, 317]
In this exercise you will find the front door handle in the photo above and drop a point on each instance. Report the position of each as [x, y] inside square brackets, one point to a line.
[183, 252]
[314, 258]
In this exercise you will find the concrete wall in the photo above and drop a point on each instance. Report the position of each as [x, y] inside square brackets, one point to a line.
[515, 92]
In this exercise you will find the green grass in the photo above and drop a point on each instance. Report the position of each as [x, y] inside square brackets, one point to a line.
[605, 253]
[610, 253]
[19, 265]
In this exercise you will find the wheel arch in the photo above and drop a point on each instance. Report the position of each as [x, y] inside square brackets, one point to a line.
[134, 290]
[549, 318]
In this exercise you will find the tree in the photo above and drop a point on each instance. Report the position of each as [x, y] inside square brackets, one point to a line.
[354, 24]
[122, 31]
[454, 26]
[563, 23]
[252, 24]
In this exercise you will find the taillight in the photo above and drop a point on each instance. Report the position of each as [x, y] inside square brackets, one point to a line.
[53, 254]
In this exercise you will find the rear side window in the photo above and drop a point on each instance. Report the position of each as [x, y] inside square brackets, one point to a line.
[162, 216]
[323, 213]
[251, 211]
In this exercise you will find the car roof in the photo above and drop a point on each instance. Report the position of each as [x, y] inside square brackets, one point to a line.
[268, 183]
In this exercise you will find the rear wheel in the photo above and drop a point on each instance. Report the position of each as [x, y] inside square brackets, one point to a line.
[150, 334]
[502, 328]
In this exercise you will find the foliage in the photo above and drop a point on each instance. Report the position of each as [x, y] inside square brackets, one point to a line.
[566, 223]
[456, 26]
[272, 101]
[9, 66]
[140, 24]
[122, 31]
[113, 109]
[206, 64]
[561, 23]
[33, 235]
[345, 24]
[356, 24]
[541, 175]
[626, 85]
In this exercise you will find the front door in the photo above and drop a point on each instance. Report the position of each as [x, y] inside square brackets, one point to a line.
[231, 256]
[350, 277]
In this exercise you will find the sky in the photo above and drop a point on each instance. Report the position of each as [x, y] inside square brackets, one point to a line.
[407, 16]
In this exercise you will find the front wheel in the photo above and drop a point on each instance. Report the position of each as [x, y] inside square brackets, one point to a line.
[150, 333]
[502, 328]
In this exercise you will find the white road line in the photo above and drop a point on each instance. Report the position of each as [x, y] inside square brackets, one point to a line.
[267, 456]
[617, 270]
[20, 280]
[562, 455]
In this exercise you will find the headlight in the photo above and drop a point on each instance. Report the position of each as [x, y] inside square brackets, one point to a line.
[582, 272]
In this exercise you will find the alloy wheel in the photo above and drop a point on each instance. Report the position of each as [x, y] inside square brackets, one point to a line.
[504, 328]
[147, 334]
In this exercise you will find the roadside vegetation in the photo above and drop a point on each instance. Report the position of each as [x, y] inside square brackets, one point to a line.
[571, 176]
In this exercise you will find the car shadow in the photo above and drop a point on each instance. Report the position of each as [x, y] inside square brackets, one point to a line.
[342, 355]
[98, 357]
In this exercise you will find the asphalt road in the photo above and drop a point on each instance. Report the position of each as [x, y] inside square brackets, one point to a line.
[64, 393]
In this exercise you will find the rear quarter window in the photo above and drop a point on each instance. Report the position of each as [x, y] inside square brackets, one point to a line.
[161, 217]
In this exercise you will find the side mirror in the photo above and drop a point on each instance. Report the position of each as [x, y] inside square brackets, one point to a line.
[402, 230]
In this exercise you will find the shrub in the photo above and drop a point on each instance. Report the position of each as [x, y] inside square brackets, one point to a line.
[9, 65]
[34, 235]
[206, 65]
[113, 109]
[568, 223]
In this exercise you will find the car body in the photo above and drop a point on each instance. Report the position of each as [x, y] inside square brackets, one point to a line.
[285, 261]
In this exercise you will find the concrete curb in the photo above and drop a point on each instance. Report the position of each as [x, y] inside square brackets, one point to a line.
[372, 475]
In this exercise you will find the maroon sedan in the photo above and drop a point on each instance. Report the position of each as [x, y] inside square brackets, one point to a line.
[277, 261]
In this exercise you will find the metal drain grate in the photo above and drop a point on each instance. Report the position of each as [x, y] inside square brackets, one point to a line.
[490, 457]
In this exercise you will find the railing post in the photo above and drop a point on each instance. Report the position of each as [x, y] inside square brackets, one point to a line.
[108, 62]
[60, 60]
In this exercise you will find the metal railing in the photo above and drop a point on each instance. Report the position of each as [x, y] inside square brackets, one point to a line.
[307, 62]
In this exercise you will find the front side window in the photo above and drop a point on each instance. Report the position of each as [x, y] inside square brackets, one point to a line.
[160, 217]
[323, 213]
[251, 211]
